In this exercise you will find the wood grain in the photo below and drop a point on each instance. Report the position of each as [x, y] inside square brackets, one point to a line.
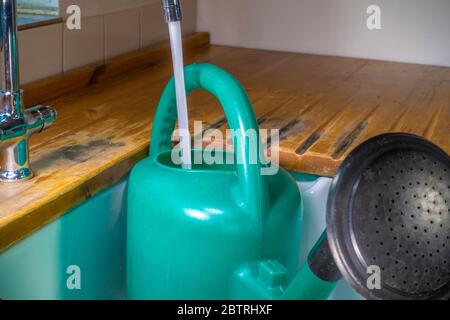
[323, 106]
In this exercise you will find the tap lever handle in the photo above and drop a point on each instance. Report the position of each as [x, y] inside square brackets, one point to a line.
[39, 118]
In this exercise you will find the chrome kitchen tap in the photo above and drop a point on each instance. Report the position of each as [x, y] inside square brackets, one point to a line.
[16, 123]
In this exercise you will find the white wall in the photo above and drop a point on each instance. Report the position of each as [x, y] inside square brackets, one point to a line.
[412, 30]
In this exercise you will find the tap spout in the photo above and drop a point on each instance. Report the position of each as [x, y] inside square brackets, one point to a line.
[172, 10]
[16, 123]
[10, 58]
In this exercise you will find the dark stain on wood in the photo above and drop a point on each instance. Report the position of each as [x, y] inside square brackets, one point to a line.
[86, 191]
[219, 123]
[83, 152]
[348, 140]
[101, 69]
[313, 138]
[78, 153]
[262, 120]
[291, 128]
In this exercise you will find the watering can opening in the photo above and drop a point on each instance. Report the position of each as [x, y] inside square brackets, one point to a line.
[190, 232]
[205, 160]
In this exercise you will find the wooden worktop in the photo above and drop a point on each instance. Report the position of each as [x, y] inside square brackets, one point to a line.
[323, 106]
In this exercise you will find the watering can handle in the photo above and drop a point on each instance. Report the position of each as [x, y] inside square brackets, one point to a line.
[240, 117]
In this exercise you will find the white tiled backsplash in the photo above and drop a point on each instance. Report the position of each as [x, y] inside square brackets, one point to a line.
[109, 28]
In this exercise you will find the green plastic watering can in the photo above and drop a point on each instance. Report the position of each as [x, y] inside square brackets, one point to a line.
[220, 231]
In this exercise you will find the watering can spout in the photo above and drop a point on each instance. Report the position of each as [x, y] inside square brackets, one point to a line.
[317, 277]
[268, 280]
